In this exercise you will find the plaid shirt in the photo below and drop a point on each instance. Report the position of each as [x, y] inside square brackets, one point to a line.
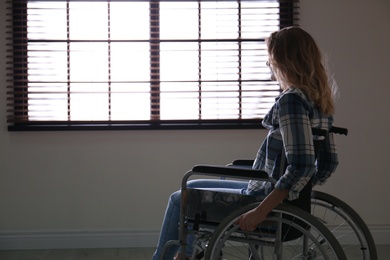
[290, 122]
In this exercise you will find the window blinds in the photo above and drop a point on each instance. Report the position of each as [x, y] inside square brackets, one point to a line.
[140, 62]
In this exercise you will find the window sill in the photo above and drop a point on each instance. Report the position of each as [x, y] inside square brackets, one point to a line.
[137, 125]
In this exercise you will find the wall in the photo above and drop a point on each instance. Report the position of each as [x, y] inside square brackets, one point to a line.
[70, 189]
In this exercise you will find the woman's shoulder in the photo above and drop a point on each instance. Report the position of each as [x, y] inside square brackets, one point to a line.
[293, 93]
[293, 96]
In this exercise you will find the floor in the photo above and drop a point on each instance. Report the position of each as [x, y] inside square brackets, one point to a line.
[112, 254]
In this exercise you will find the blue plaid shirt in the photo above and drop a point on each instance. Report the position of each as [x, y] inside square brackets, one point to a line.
[290, 122]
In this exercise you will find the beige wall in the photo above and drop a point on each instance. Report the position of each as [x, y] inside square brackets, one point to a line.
[355, 35]
[94, 181]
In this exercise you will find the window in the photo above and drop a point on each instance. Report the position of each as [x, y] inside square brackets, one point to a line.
[140, 64]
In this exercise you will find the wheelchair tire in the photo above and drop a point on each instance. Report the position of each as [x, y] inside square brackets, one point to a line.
[315, 241]
[346, 225]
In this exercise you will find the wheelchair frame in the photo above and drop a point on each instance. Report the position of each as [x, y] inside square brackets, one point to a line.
[327, 240]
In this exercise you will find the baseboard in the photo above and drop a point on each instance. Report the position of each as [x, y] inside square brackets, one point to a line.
[109, 239]
[77, 239]
[381, 234]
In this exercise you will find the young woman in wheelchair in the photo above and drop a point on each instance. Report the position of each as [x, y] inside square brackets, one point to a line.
[306, 102]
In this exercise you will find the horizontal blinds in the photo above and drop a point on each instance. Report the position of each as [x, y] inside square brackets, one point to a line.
[140, 60]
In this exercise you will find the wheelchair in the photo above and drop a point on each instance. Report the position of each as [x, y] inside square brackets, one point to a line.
[289, 232]
[343, 221]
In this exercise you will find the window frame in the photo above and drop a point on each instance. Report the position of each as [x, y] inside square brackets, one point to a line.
[20, 90]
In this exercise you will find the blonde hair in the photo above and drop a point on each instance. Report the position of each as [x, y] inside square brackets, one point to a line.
[297, 62]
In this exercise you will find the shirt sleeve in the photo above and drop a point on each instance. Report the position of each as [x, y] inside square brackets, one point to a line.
[327, 161]
[296, 132]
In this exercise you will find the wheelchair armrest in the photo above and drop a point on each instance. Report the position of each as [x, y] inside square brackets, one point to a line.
[242, 162]
[233, 172]
[339, 130]
[333, 129]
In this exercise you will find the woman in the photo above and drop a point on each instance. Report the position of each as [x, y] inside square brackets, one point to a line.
[306, 102]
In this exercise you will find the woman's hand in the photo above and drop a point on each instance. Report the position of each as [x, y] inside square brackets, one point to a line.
[250, 220]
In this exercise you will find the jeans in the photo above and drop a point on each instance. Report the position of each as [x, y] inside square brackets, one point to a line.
[169, 229]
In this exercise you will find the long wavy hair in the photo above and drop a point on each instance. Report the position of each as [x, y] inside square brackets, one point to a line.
[296, 62]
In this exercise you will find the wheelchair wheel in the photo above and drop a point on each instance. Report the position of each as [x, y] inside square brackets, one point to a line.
[287, 233]
[346, 225]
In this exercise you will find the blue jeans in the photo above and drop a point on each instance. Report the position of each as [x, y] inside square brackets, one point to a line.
[169, 229]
